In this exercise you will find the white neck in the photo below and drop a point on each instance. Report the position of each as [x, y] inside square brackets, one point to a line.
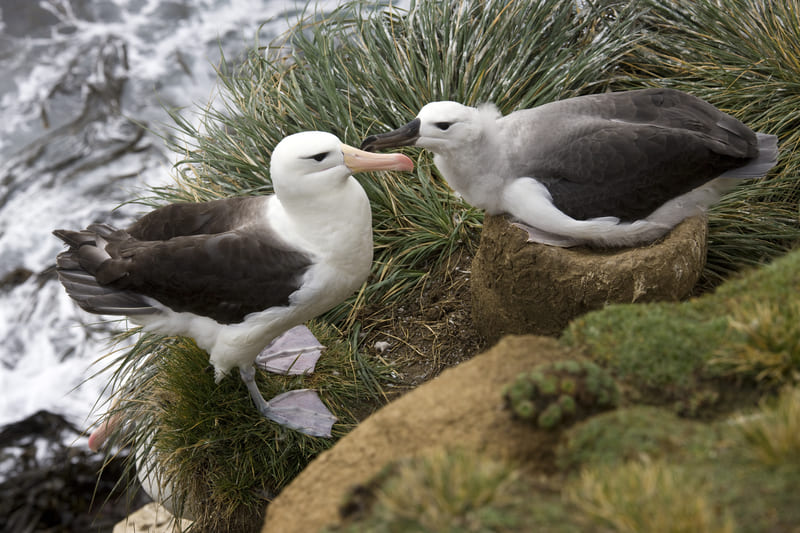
[478, 180]
[333, 225]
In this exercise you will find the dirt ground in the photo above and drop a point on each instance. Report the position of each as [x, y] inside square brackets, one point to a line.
[421, 338]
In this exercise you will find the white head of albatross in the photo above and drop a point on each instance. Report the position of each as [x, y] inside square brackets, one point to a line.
[236, 273]
[614, 169]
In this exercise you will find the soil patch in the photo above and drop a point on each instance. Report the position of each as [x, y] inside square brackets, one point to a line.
[421, 337]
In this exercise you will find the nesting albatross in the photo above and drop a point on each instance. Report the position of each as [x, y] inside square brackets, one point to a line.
[614, 169]
[236, 273]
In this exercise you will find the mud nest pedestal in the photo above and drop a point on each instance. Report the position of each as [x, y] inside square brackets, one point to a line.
[520, 287]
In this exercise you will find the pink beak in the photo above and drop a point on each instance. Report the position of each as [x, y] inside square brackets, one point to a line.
[361, 161]
[101, 434]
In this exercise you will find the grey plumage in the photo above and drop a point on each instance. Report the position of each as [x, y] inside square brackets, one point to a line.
[613, 169]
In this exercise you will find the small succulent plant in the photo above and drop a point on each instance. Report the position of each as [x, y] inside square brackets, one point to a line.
[561, 392]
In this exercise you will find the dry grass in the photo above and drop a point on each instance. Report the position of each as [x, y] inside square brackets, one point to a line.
[647, 496]
[774, 433]
[447, 490]
[765, 342]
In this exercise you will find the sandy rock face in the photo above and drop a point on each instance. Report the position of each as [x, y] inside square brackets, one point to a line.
[152, 518]
[520, 287]
[462, 407]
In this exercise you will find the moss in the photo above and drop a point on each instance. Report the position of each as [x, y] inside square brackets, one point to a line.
[558, 393]
[628, 433]
[667, 353]
[661, 347]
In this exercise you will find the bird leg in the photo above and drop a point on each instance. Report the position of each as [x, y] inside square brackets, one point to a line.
[301, 409]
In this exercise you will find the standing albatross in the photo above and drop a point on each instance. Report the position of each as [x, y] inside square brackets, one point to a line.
[614, 169]
[236, 273]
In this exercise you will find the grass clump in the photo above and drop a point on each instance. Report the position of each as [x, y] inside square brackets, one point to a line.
[647, 496]
[627, 434]
[448, 491]
[359, 70]
[744, 60]
[770, 348]
[559, 393]
[773, 433]
[220, 458]
[456, 490]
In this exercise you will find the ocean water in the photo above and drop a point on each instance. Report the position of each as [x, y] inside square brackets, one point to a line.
[76, 73]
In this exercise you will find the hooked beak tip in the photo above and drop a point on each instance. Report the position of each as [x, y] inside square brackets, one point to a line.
[403, 136]
[367, 144]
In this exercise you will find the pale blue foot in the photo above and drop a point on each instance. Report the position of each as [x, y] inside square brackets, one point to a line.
[293, 353]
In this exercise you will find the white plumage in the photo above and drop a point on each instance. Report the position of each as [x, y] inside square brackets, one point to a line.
[234, 274]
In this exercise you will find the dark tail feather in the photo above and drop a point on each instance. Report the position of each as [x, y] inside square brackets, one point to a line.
[758, 167]
[75, 267]
[75, 239]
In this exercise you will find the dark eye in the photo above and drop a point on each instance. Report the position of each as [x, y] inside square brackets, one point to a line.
[320, 156]
[443, 125]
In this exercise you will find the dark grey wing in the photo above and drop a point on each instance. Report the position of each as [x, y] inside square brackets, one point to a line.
[224, 276]
[75, 268]
[625, 154]
[181, 219]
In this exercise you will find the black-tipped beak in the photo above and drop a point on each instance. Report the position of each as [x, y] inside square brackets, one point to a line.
[402, 136]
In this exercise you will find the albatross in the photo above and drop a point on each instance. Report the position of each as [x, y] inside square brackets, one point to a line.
[605, 170]
[234, 274]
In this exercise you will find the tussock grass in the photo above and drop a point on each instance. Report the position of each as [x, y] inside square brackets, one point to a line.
[647, 496]
[770, 349]
[773, 432]
[221, 459]
[358, 71]
[743, 58]
[447, 490]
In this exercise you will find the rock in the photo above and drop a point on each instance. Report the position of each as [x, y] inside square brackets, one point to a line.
[523, 288]
[23, 18]
[48, 485]
[463, 406]
[152, 518]
[17, 276]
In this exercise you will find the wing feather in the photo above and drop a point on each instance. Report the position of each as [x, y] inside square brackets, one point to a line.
[624, 154]
[217, 259]
[224, 276]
